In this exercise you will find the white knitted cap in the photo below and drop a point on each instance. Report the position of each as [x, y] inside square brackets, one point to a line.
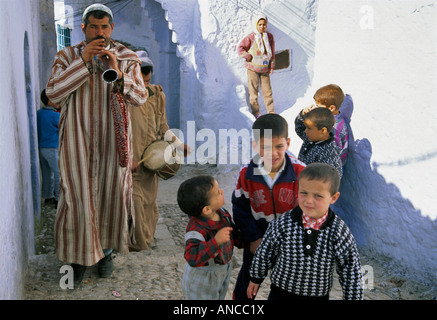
[96, 7]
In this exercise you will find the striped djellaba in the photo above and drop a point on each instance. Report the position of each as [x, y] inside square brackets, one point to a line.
[95, 209]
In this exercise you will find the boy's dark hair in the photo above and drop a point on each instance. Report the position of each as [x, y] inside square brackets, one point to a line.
[270, 122]
[98, 15]
[193, 194]
[322, 172]
[44, 98]
[146, 70]
[321, 117]
[330, 95]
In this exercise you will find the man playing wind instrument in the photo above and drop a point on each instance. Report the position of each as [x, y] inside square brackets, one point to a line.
[95, 209]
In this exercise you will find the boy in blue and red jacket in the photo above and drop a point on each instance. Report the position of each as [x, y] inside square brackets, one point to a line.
[266, 188]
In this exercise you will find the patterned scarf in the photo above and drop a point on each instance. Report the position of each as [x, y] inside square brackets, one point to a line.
[262, 40]
[121, 123]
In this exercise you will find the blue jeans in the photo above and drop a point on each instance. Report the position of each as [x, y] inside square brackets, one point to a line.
[48, 159]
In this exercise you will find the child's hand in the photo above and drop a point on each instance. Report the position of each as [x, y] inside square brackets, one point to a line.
[223, 235]
[252, 290]
[308, 109]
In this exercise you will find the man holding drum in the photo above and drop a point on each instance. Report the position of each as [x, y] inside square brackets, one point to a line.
[95, 206]
[149, 129]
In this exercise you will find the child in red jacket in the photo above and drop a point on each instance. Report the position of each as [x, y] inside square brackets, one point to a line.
[209, 239]
[266, 188]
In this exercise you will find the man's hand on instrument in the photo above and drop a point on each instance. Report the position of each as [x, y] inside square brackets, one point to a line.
[92, 49]
[112, 61]
[186, 149]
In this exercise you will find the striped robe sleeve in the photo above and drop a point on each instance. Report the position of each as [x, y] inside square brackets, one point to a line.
[134, 90]
[68, 74]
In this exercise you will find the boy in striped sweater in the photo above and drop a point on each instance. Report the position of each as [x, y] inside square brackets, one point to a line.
[303, 246]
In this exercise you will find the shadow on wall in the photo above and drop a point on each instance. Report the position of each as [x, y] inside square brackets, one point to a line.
[143, 26]
[383, 222]
[33, 143]
[221, 102]
[217, 108]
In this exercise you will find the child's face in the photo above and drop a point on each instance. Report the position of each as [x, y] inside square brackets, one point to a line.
[315, 197]
[261, 26]
[54, 105]
[216, 201]
[313, 133]
[272, 151]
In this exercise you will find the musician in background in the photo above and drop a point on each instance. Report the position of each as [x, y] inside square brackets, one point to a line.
[149, 123]
[95, 207]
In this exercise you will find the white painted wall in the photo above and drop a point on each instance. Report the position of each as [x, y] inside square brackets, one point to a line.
[19, 200]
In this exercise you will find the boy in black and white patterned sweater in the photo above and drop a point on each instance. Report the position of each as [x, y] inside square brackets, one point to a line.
[314, 127]
[303, 246]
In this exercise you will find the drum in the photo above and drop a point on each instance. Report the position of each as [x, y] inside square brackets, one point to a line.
[162, 158]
